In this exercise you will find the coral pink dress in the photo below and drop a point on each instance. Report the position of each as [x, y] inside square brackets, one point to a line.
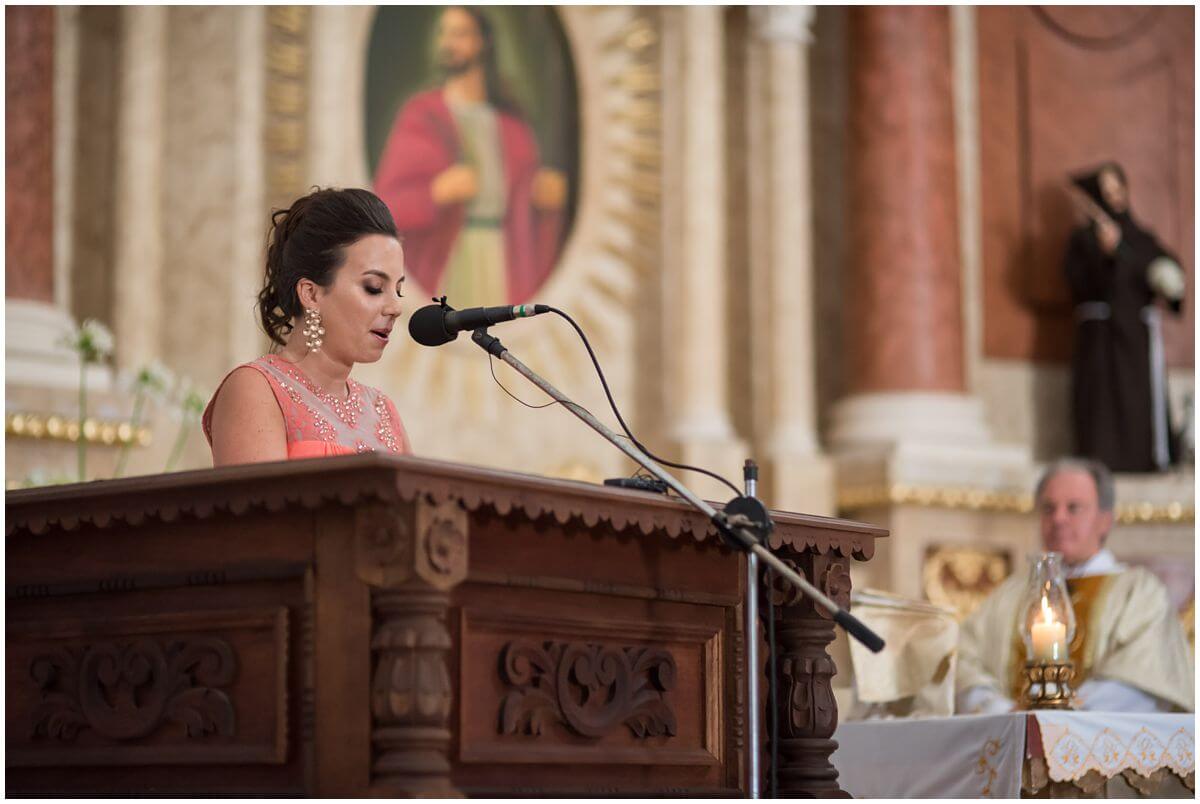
[319, 424]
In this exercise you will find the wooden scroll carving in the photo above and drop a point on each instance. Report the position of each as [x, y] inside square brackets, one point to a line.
[128, 690]
[591, 689]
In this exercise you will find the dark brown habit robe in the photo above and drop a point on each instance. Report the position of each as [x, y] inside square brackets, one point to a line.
[1113, 398]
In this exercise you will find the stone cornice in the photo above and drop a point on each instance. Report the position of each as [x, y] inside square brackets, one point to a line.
[987, 500]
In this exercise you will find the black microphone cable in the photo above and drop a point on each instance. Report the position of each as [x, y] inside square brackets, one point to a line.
[492, 367]
[617, 413]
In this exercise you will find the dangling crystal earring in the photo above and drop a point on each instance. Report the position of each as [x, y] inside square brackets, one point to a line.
[313, 329]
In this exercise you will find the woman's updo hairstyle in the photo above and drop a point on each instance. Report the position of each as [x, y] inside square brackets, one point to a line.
[308, 241]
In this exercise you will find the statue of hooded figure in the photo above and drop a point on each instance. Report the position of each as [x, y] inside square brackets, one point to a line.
[1117, 272]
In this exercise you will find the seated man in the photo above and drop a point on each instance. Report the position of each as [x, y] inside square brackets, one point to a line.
[1129, 650]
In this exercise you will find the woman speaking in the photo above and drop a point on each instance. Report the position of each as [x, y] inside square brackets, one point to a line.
[334, 274]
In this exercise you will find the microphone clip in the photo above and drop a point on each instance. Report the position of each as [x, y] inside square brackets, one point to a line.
[751, 514]
[488, 342]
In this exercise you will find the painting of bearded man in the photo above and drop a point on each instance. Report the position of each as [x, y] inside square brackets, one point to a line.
[481, 217]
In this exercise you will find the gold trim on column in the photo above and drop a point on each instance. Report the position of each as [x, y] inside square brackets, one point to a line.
[1155, 513]
[973, 499]
[285, 133]
[54, 427]
[934, 497]
[640, 110]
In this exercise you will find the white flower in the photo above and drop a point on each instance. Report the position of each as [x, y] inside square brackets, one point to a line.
[195, 401]
[154, 378]
[91, 340]
[100, 336]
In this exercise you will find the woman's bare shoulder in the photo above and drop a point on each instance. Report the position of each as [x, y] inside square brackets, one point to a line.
[247, 421]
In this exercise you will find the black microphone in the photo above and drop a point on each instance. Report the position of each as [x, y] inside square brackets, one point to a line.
[435, 324]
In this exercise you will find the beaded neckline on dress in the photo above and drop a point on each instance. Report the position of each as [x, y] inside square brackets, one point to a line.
[348, 409]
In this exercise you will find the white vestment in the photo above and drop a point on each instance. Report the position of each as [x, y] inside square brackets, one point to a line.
[1138, 658]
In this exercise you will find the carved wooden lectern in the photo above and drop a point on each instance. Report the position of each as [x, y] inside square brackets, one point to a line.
[392, 626]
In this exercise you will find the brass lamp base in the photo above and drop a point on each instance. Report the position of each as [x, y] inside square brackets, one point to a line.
[1048, 685]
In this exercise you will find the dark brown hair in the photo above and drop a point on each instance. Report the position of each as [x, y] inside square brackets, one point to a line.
[308, 241]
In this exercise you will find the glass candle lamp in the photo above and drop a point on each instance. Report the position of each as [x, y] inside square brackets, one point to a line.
[1047, 630]
[1049, 624]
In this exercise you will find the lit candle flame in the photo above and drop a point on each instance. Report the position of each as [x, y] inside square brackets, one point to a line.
[1047, 614]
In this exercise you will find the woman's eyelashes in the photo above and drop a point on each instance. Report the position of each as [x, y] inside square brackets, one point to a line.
[374, 291]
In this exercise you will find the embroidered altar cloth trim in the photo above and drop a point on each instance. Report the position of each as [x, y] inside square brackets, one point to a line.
[984, 756]
[1077, 742]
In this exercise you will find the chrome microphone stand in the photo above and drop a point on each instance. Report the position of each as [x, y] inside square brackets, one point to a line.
[750, 475]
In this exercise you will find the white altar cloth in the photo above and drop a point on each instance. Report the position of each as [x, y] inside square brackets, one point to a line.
[985, 756]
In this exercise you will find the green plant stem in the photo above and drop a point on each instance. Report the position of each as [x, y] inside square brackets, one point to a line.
[82, 442]
[134, 420]
[180, 440]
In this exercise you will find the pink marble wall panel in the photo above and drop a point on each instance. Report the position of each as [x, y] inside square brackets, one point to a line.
[29, 152]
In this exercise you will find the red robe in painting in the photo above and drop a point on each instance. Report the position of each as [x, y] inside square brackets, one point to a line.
[424, 141]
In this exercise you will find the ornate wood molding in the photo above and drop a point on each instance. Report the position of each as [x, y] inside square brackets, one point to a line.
[411, 555]
[126, 582]
[383, 545]
[515, 665]
[127, 690]
[156, 689]
[807, 708]
[355, 479]
[411, 693]
[441, 544]
[591, 689]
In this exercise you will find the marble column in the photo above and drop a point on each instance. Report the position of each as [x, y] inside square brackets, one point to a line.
[138, 235]
[695, 334]
[249, 209]
[909, 432]
[35, 317]
[216, 227]
[66, 89]
[796, 475]
[905, 364]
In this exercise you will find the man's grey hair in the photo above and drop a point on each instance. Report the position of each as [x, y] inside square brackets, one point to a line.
[1103, 479]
